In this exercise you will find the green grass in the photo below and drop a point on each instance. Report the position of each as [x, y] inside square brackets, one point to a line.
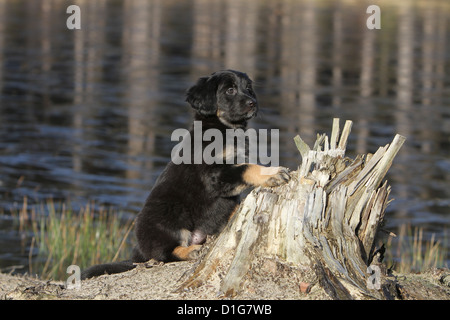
[63, 237]
[411, 253]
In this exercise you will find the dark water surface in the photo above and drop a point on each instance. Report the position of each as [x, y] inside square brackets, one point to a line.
[87, 114]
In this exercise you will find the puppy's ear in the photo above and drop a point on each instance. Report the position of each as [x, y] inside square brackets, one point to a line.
[202, 96]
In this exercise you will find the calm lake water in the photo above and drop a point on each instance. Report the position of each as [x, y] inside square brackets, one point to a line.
[88, 114]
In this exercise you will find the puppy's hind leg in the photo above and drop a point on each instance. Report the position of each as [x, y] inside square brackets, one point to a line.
[187, 253]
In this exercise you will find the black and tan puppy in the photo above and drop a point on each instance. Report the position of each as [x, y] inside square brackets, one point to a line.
[190, 201]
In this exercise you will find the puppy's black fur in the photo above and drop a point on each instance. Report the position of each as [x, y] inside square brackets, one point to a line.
[190, 201]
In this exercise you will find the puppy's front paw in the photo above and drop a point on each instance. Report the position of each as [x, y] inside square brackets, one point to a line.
[279, 177]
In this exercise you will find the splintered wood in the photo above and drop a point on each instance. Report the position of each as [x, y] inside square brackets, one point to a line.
[325, 220]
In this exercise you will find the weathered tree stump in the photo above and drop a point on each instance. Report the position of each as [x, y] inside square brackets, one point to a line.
[324, 222]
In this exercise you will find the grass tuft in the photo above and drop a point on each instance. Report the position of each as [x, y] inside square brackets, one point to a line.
[411, 253]
[61, 237]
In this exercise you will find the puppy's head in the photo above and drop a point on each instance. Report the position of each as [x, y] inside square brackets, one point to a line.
[226, 94]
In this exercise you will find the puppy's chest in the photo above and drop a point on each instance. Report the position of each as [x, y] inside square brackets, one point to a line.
[235, 153]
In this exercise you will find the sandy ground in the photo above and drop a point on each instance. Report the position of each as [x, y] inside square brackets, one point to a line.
[163, 282]
[157, 282]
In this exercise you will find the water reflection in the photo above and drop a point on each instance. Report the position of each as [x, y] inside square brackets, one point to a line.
[88, 114]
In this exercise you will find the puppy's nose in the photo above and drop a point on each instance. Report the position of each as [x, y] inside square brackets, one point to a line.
[251, 107]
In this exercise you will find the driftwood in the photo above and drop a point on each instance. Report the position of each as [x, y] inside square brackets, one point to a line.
[324, 222]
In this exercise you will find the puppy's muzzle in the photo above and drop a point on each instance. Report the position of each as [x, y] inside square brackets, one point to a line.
[251, 108]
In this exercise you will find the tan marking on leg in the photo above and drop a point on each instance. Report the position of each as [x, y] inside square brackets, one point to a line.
[257, 175]
[187, 253]
[253, 175]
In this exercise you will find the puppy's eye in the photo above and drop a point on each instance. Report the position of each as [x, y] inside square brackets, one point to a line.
[231, 91]
[249, 89]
